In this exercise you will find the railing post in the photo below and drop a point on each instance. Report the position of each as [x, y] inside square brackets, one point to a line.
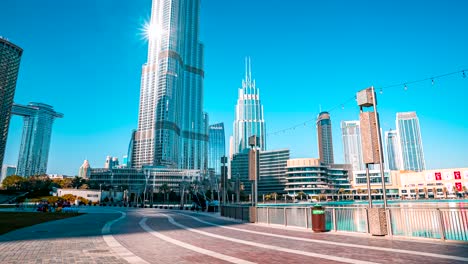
[441, 225]
[306, 219]
[367, 220]
[389, 222]
[285, 218]
[268, 215]
[334, 219]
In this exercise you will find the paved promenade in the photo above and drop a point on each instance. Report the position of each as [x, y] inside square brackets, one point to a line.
[122, 235]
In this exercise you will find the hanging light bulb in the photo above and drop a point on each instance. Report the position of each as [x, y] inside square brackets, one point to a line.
[464, 75]
[406, 87]
[432, 82]
[381, 91]
[304, 124]
[342, 106]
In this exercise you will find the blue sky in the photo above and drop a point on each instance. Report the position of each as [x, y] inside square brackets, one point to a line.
[84, 58]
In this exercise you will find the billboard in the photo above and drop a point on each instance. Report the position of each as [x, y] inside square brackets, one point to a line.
[438, 176]
[457, 175]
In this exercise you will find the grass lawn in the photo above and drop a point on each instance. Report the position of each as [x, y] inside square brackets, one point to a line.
[10, 221]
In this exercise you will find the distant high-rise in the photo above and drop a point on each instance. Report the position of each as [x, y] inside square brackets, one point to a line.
[409, 135]
[172, 127]
[10, 56]
[85, 170]
[325, 143]
[249, 115]
[35, 141]
[7, 170]
[111, 162]
[351, 133]
[217, 147]
[392, 150]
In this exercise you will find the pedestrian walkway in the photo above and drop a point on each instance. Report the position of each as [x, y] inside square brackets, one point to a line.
[72, 240]
[149, 235]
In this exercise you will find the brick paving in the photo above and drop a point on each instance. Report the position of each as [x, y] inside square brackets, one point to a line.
[72, 240]
[79, 240]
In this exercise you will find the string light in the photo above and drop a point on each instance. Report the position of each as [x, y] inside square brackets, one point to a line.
[354, 98]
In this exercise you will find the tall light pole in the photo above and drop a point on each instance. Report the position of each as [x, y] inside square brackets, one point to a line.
[224, 177]
[253, 167]
[372, 153]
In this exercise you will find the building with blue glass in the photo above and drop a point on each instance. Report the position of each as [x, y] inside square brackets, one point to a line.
[392, 150]
[35, 141]
[324, 136]
[409, 135]
[217, 147]
[249, 119]
[172, 127]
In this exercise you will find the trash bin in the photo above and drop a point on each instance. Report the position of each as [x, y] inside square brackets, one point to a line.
[318, 219]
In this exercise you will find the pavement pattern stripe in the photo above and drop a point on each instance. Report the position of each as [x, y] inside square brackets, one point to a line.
[116, 246]
[426, 254]
[293, 251]
[191, 247]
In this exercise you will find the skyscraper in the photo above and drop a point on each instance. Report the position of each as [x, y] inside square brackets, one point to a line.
[217, 147]
[35, 141]
[409, 135]
[325, 144]
[352, 148]
[249, 114]
[10, 56]
[392, 150]
[111, 162]
[172, 127]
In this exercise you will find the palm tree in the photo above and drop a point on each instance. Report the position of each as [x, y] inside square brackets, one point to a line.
[434, 192]
[416, 191]
[444, 190]
[341, 191]
[164, 189]
[455, 190]
[465, 190]
[300, 194]
[426, 193]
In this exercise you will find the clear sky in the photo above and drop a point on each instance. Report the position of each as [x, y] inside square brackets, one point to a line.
[84, 58]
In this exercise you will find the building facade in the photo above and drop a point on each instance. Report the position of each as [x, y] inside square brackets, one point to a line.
[410, 141]
[7, 170]
[172, 127]
[436, 184]
[249, 119]
[10, 57]
[111, 162]
[392, 150]
[352, 147]
[272, 176]
[272, 171]
[325, 140]
[217, 147]
[315, 178]
[35, 141]
[85, 170]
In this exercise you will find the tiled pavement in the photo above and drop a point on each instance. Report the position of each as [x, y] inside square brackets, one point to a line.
[72, 240]
[79, 240]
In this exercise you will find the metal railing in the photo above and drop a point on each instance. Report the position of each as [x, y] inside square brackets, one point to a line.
[433, 223]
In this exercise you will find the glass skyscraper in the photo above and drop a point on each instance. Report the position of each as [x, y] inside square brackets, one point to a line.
[392, 150]
[217, 147]
[10, 57]
[324, 134]
[409, 135]
[35, 141]
[249, 119]
[172, 127]
[351, 133]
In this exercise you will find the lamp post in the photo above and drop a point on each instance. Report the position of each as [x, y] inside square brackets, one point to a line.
[224, 177]
[100, 193]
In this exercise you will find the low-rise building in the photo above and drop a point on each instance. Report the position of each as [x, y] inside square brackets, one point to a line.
[310, 176]
[92, 195]
[359, 184]
[439, 183]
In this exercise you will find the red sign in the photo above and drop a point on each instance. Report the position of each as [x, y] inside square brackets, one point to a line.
[459, 187]
[438, 176]
[457, 175]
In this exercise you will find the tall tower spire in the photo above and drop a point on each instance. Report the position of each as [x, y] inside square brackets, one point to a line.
[249, 113]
